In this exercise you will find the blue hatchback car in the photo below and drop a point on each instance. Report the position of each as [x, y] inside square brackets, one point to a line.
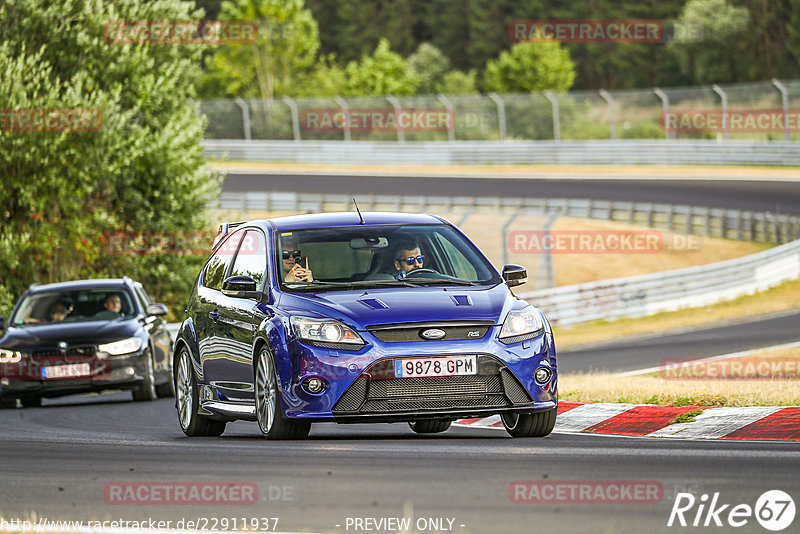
[351, 318]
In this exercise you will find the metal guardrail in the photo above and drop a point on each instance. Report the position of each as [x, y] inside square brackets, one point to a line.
[628, 152]
[668, 291]
[711, 222]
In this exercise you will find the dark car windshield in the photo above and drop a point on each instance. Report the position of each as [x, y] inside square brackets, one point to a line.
[76, 305]
[379, 256]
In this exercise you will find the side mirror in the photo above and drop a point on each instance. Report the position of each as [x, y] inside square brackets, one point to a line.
[156, 310]
[243, 287]
[2, 324]
[514, 275]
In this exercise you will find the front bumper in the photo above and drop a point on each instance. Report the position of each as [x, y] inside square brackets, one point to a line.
[360, 385]
[26, 378]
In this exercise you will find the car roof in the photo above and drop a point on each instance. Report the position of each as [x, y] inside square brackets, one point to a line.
[81, 284]
[349, 218]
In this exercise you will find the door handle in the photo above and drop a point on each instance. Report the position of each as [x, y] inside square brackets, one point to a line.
[214, 315]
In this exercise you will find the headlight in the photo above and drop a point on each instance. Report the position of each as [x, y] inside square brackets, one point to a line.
[521, 325]
[124, 346]
[325, 332]
[10, 356]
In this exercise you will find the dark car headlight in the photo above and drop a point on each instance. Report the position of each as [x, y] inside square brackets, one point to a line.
[10, 356]
[325, 332]
[123, 346]
[521, 325]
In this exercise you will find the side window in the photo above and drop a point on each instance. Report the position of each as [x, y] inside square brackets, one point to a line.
[251, 260]
[215, 269]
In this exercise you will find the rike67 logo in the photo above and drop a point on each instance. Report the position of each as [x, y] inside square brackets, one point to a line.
[774, 510]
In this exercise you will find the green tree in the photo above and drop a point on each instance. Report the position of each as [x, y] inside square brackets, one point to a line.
[141, 170]
[715, 56]
[286, 49]
[534, 66]
[383, 73]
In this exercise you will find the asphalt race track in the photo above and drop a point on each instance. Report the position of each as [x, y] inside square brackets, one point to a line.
[58, 459]
[649, 351]
[773, 196]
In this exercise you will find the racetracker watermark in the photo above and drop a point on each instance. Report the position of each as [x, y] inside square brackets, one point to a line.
[587, 31]
[734, 368]
[173, 244]
[733, 121]
[50, 120]
[56, 368]
[600, 242]
[191, 32]
[181, 493]
[376, 120]
[586, 491]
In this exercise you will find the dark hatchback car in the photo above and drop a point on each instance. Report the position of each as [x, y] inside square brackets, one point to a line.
[336, 317]
[85, 336]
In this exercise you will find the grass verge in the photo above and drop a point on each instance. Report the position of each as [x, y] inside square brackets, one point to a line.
[655, 388]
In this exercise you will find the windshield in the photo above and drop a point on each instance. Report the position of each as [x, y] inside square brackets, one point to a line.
[77, 305]
[359, 256]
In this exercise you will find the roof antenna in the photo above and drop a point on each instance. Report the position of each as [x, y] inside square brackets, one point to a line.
[359, 212]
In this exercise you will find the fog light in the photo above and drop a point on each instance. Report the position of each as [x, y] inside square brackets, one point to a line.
[313, 385]
[542, 375]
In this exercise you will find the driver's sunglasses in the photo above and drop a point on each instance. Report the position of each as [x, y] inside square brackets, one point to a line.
[286, 253]
[411, 259]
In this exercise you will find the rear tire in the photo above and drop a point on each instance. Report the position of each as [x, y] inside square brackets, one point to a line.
[530, 425]
[188, 402]
[268, 403]
[31, 402]
[429, 426]
[8, 404]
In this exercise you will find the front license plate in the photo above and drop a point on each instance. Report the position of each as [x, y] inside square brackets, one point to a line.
[422, 367]
[66, 371]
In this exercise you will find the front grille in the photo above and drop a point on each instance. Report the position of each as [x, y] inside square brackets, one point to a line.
[376, 390]
[408, 332]
[78, 350]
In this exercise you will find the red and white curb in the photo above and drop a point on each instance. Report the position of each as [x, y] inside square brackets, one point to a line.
[746, 423]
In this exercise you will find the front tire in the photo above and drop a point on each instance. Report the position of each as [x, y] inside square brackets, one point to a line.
[31, 402]
[429, 426]
[268, 408]
[146, 390]
[188, 402]
[530, 425]
[8, 404]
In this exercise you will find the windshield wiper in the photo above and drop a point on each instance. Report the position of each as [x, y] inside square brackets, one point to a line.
[455, 281]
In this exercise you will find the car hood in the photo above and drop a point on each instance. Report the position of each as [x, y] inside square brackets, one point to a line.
[83, 333]
[362, 308]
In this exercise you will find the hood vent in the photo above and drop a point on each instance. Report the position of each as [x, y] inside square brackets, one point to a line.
[461, 300]
[374, 304]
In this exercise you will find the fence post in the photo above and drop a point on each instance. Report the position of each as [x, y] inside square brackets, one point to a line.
[451, 126]
[725, 119]
[505, 236]
[245, 116]
[549, 95]
[401, 137]
[345, 116]
[785, 104]
[612, 120]
[295, 119]
[664, 111]
[501, 114]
